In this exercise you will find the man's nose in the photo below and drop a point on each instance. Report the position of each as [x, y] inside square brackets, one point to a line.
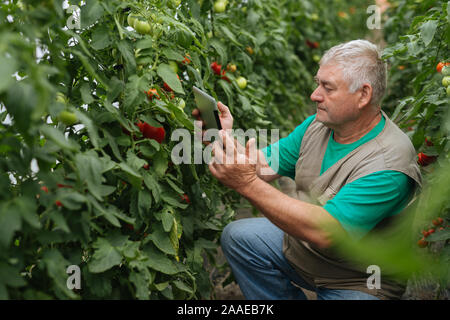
[316, 96]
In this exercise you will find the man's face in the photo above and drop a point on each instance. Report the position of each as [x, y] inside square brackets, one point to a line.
[335, 104]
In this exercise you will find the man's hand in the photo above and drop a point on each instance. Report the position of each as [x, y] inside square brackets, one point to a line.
[226, 119]
[232, 164]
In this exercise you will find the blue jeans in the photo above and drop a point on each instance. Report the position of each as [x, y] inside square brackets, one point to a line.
[254, 250]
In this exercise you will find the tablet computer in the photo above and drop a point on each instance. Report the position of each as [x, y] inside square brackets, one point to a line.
[207, 106]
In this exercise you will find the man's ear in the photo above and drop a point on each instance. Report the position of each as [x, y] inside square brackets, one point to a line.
[366, 95]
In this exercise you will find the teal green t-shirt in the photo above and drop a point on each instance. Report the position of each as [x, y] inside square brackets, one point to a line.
[360, 205]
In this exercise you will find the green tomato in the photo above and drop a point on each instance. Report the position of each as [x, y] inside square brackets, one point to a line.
[68, 118]
[174, 66]
[241, 82]
[314, 17]
[131, 19]
[61, 98]
[181, 103]
[220, 6]
[142, 27]
[174, 3]
[446, 71]
[316, 58]
[446, 81]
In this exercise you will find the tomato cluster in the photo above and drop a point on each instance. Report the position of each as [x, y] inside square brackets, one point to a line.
[438, 224]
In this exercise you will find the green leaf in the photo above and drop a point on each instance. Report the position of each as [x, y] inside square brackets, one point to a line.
[220, 49]
[167, 220]
[58, 138]
[159, 261]
[90, 13]
[105, 256]
[172, 54]
[90, 168]
[91, 128]
[8, 66]
[169, 199]
[126, 50]
[10, 222]
[162, 241]
[152, 184]
[10, 276]
[134, 92]
[134, 161]
[144, 202]
[160, 163]
[85, 91]
[230, 35]
[100, 38]
[428, 30]
[440, 235]
[170, 77]
[141, 283]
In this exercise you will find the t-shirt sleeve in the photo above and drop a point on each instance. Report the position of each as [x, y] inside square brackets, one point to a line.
[282, 155]
[360, 205]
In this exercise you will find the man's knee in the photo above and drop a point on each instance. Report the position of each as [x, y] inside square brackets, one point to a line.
[244, 233]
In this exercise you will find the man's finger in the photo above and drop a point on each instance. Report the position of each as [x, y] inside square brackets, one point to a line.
[251, 151]
[224, 111]
[217, 151]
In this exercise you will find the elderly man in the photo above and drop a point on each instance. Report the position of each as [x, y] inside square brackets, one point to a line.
[354, 170]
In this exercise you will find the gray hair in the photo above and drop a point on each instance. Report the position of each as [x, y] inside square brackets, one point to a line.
[360, 62]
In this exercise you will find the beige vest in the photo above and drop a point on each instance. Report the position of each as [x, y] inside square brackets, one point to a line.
[389, 150]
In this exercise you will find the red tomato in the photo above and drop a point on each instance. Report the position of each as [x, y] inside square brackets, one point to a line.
[440, 65]
[151, 132]
[216, 68]
[425, 160]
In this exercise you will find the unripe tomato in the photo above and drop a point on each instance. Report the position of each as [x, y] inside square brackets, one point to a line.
[316, 58]
[68, 118]
[220, 6]
[446, 71]
[241, 82]
[181, 104]
[61, 98]
[250, 50]
[131, 19]
[142, 27]
[446, 81]
[232, 68]
[174, 3]
[174, 66]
